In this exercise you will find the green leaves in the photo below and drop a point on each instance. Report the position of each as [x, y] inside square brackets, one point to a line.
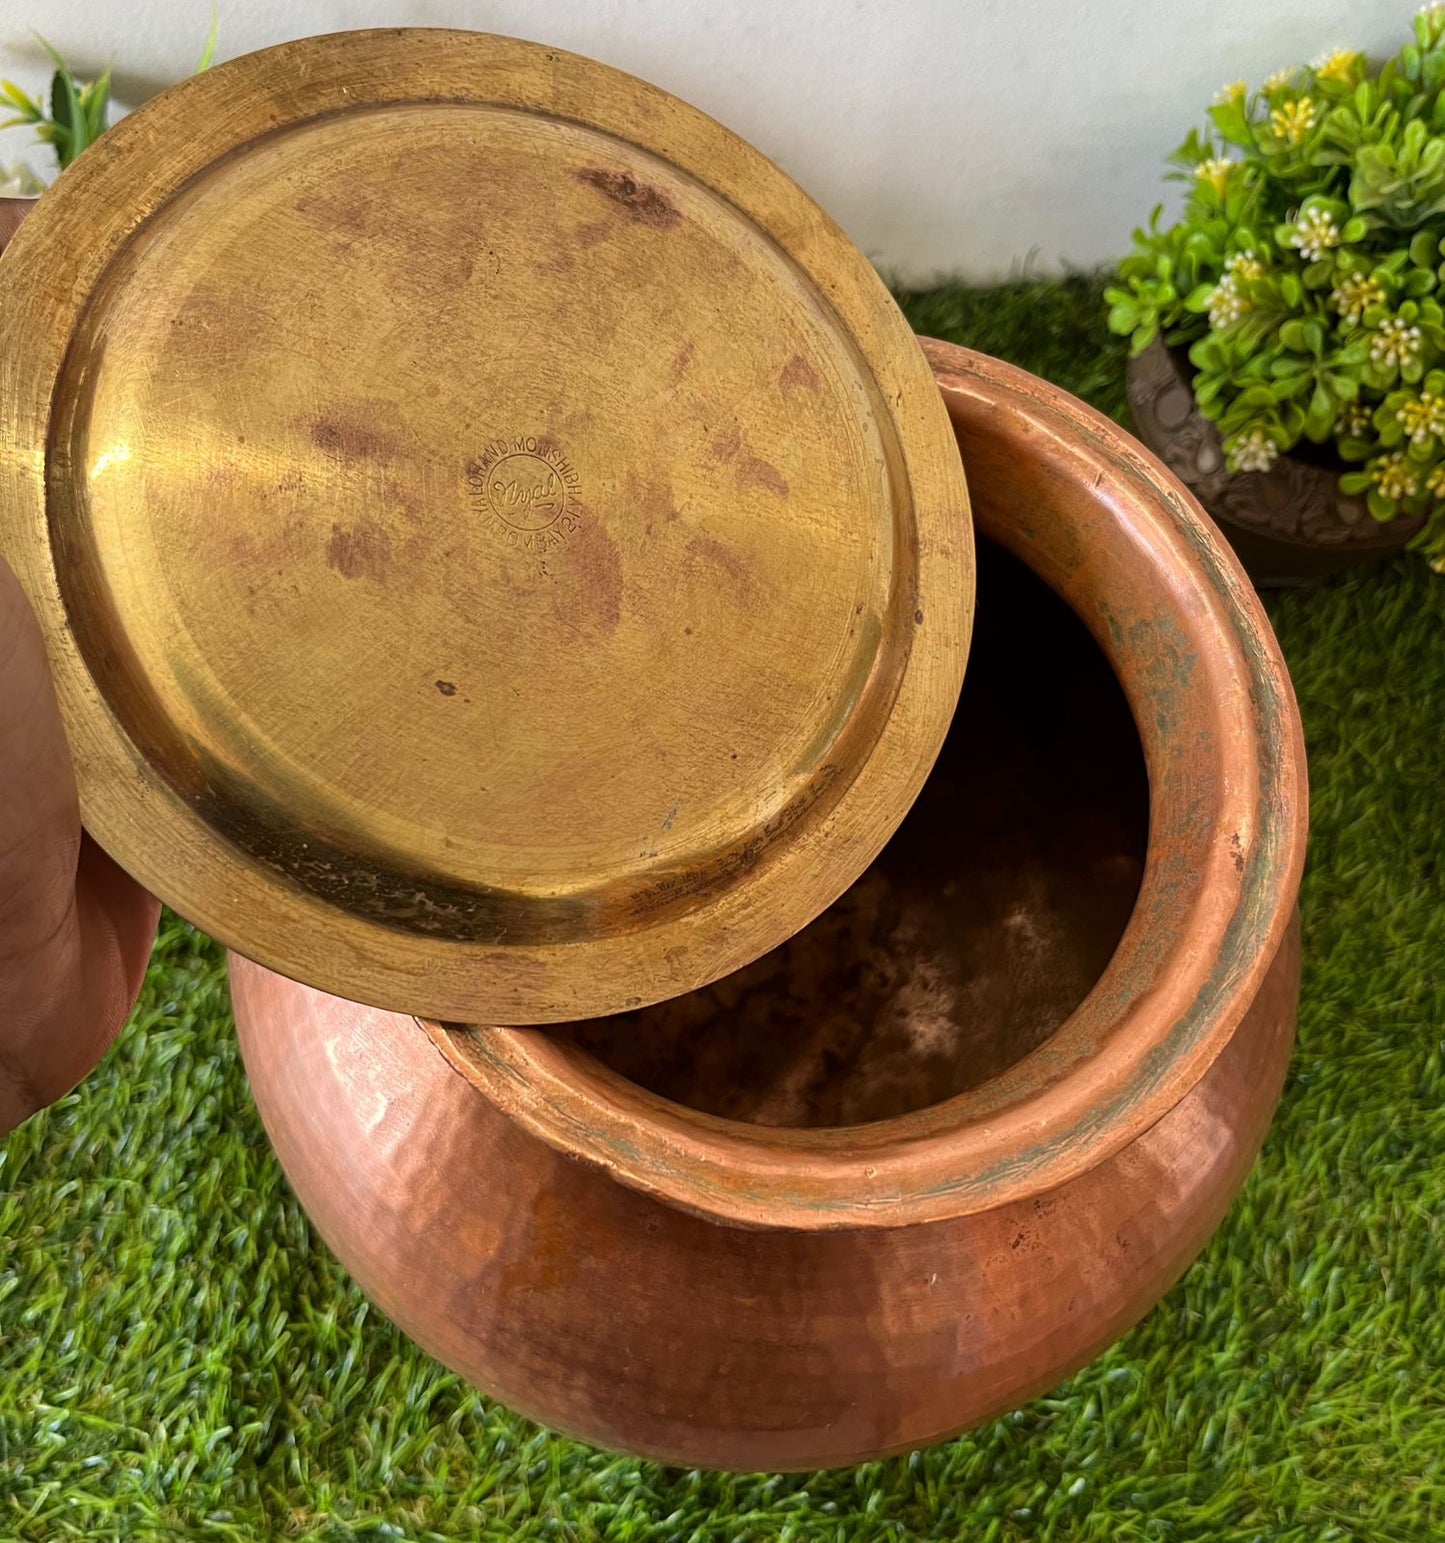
[25, 108]
[1317, 373]
[75, 113]
[73, 117]
[208, 53]
[1401, 181]
[1231, 119]
[1155, 281]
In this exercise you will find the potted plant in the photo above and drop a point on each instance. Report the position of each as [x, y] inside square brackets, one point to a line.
[72, 116]
[69, 120]
[1288, 335]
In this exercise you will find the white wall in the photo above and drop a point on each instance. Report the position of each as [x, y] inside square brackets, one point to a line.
[948, 137]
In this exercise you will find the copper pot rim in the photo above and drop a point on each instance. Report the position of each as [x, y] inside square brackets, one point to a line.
[1174, 992]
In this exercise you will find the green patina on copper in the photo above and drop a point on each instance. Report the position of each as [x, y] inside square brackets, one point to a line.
[1271, 864]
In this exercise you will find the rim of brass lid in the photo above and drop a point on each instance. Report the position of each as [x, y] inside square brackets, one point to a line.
[500, 550]
[1146, 570]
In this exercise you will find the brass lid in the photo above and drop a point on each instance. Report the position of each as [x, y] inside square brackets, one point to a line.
[502, 552]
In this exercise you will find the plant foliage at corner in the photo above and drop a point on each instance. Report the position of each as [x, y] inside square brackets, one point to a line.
[1307, 273]
[74, 117]
[77, 112]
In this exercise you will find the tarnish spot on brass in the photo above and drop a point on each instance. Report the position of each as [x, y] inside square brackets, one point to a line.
[596, 559]
[724, 557]
[727, 443]
[798, 374]
[363, 552]
[642, 203]
[762, 473]
[349, 440]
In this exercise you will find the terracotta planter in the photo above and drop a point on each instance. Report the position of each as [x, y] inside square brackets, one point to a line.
[12, 212]
[1077, 986]
[1289, 525]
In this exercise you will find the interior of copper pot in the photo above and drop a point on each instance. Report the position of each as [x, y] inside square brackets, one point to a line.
[979, 929]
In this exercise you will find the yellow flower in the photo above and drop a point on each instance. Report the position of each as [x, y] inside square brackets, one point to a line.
[1435, 482]
[1343, 65]
[1354, 422]
[1226, 304]
[1245, 267]
[1355, 294]
[1314, 233]
[1215, 172]
[1396, 343]
[1293, 121]
[1254, 451]
[1279, 80]
[1422, 418]
[1232, 94]
[1395, 477]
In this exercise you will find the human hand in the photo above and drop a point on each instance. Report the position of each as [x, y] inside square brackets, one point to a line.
[75, 930]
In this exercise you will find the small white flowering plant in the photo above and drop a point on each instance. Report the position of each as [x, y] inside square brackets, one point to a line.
[1306, 273]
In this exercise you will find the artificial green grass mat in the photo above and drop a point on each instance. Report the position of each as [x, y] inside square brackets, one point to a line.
[182, 1359]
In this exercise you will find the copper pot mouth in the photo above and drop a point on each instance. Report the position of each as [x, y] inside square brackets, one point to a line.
[1116, 536]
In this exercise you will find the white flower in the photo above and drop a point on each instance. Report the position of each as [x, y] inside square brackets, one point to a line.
[1423, 418]
[1315, 233]
[1226, 304]
[1292, 121]
[1395, 477]
[1254, 451]
[1245, 267]
[18, 181]
[1353, 296]
[1395, 343]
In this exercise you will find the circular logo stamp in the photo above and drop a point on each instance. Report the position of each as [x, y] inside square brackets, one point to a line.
[526, 491]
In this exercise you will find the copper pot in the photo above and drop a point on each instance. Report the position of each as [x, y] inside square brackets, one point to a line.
[1078, 984]
[12, 212]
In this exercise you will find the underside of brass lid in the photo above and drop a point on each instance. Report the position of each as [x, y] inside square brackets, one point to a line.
[501, 551]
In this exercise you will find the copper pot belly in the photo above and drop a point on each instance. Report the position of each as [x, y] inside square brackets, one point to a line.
[953, 1139]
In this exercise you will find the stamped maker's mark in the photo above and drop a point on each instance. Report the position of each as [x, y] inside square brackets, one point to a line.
[527, 493]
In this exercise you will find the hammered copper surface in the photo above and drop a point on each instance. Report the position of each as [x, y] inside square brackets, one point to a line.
[622, 1320]
[894, 1282]
[500, 550]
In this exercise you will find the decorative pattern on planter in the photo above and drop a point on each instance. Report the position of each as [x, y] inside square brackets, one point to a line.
[1293, 502]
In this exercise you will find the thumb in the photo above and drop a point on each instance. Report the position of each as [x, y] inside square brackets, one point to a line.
[75, 931]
